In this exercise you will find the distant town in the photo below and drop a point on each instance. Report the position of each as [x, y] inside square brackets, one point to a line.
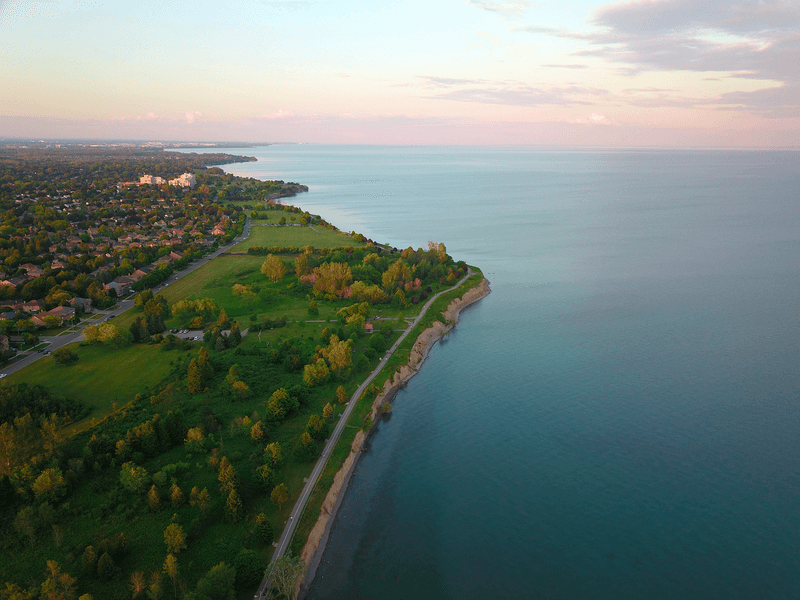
[85, 232]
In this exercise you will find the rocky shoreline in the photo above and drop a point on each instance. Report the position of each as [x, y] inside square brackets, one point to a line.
[318, 538]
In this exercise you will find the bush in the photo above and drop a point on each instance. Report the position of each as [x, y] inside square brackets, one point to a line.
[249, 569]
[377, 342]
[65, 357]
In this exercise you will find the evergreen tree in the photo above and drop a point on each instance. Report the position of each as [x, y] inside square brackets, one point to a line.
[204, 362]
[264, 529]
[170, 567]
[341, 394]
[227, 476]
[105, 566]
[174, 538]
[257, 431]
[153, 499]
[137, 331]
[274, 454]
[176, 496]
[138, 583]
[195, 383]
[89, 561]
[233, 506]
[235, 336]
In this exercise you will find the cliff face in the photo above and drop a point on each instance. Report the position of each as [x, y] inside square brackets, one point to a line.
[312, 551]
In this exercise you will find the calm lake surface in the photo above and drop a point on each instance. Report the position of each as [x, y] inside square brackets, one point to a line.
[619, 418]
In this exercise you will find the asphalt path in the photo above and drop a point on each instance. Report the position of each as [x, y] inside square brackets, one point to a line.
[57, 341]
[311, 481]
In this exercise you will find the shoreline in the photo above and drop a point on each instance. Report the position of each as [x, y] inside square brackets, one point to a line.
[318, 537]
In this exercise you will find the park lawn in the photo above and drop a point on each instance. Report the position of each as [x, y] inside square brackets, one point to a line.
[102, 375]
[319, 237]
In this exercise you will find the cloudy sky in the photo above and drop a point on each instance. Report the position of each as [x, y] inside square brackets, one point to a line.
[707, 73]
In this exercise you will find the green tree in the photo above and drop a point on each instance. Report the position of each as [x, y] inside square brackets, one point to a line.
[143, 298]
[174, 538]
[317, 427]
[316, 373]
[105, 566]
[138, 331]
[58, 585]
[264, 528]
[377, 342]
[50, 486]
[286, 573]
[277, 403]
[264, 478]
[89, 561]
[274, 454]
[133, 477]
[204, 362]
[307, 449]
[235, 336]
[249, 569]
[11, 591]
[218, 583]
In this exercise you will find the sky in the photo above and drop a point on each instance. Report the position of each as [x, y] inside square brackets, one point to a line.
[664, 73]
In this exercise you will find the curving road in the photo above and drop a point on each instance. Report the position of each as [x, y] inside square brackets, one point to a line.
[297, 511]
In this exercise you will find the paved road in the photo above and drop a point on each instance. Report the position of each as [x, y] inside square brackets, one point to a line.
[58, 341]
[297, 511]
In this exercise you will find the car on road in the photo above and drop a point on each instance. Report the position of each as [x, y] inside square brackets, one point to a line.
[3, 375]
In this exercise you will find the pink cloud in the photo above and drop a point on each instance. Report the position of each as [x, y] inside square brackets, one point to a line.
[591, 119]
[279, 114]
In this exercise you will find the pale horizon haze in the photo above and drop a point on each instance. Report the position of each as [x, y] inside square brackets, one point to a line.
[663, 73]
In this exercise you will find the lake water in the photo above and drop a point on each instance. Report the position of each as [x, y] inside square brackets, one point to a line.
[619, 418]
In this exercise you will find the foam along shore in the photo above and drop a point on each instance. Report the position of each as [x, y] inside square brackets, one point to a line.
[318, 538]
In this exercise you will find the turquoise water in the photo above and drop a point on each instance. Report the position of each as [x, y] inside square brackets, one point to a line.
[619, 418]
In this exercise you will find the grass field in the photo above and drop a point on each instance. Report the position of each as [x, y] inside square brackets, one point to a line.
[295, 236]
[102, 375]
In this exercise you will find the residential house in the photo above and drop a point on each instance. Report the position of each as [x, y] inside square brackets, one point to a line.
[65, 313]
[84, 304]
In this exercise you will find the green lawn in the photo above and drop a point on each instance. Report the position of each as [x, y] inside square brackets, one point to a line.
[101, 375]
[295, 236]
